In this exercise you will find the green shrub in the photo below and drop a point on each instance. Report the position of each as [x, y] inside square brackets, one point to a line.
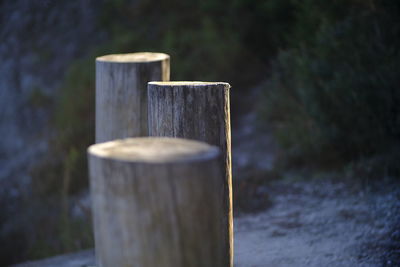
[62, 175]
[334, 96]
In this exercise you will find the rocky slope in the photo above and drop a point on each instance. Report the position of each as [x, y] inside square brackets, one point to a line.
[38, 41]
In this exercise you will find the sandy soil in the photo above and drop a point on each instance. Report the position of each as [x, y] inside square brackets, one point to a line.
[315, 223]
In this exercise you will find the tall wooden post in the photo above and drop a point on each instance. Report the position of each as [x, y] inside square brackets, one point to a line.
[121, 92]
[156, 202]
[199, 111]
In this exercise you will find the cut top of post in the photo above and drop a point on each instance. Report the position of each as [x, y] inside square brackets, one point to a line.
[139, 57]
[189, 83]
[154, 150]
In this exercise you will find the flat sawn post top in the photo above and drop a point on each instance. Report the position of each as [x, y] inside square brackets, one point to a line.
[138, 57]
[188, 83]
[154, 150]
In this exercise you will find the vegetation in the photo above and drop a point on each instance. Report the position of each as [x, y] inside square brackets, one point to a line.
[333, 94]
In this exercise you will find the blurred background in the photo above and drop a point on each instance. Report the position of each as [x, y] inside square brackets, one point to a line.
[315, 98]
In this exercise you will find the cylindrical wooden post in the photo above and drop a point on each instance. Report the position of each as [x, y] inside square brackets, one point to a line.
[200, 111]
[121, 92]
[156, 202]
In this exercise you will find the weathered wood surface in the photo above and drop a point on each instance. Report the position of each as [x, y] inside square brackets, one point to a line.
[199, 111]
[157, 202]
[121, 92]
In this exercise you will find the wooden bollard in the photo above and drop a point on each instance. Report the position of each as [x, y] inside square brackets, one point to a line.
[121, 92]
[199, 111]
[156, 202]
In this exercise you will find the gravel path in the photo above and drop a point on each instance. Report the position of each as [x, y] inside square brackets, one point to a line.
[321, 224]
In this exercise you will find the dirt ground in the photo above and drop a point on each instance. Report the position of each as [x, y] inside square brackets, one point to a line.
[321, 223]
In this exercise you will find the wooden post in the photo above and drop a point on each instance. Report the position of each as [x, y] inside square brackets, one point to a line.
[121, 92]
[199, 111]
[156, 202]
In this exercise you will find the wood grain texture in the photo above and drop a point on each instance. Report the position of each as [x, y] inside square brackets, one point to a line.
[156, 210]
[121, 92]
[199, 111]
